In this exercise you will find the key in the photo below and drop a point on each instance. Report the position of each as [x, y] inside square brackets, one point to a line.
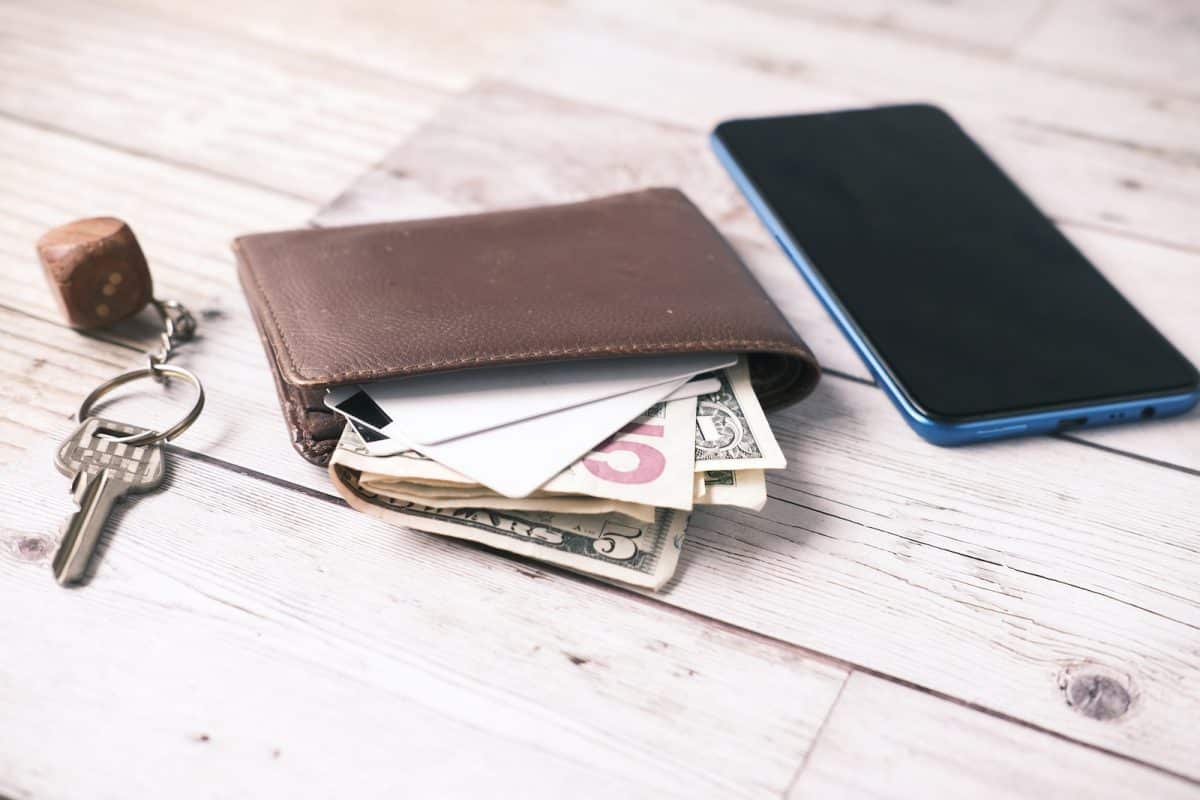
[102, 471]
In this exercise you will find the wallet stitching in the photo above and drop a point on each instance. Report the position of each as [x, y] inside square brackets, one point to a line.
[266, 301]
[307, 443]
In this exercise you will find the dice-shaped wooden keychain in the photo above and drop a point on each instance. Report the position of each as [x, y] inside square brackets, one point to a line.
[96, 270]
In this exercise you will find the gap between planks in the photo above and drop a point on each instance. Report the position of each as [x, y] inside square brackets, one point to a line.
[808, 754]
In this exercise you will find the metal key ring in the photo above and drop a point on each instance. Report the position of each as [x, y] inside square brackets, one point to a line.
[156, 371]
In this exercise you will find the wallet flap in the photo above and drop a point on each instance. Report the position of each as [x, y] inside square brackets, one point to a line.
[631, 274]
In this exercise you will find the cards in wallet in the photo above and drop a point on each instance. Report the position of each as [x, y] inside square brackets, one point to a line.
[642, 273]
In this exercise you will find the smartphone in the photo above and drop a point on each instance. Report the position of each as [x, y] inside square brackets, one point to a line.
[975, 314]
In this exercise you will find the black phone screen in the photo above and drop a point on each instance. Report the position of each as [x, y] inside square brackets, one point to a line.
[974, 300]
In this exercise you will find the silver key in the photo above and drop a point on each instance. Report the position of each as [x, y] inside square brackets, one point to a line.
[102, 471]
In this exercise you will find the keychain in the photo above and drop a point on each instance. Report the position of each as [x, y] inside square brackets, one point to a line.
[100, 276]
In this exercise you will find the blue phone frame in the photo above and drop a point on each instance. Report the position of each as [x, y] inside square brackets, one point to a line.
[940, 431]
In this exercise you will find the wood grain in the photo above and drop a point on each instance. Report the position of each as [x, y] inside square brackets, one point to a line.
[275, 644]
[297, 122]
[1152, 46]
[973, 25]
[930, 748]
[447, 45]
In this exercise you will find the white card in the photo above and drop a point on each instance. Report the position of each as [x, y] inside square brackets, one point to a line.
[694, 388]
[518, 458]
[432, 409]
[379, 444]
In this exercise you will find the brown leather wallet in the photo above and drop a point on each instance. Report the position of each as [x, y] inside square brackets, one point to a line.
[630, 274]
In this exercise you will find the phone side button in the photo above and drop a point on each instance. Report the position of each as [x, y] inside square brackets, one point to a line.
[1003, 430]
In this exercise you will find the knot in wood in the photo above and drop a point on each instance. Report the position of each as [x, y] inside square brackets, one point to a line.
[32, 548]
[1097, 696]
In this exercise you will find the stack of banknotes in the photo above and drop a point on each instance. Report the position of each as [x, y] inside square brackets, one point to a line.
[593, 465]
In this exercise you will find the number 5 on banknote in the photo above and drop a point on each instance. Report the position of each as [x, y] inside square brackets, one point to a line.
[650, 461]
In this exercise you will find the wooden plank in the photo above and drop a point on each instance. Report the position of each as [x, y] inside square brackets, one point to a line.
[447, 45]
[883, 741]
[250, 641]
[978, 23]
[1089, 153]
[500, 146]
[1154, 45]
[299, 122]
[975, 25]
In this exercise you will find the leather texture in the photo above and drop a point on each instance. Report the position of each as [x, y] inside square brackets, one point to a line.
[631, 274]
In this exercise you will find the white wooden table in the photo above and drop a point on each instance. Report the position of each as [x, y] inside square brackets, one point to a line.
[1017, 619]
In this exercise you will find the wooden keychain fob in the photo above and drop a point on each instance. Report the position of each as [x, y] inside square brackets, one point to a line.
[96, 270]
